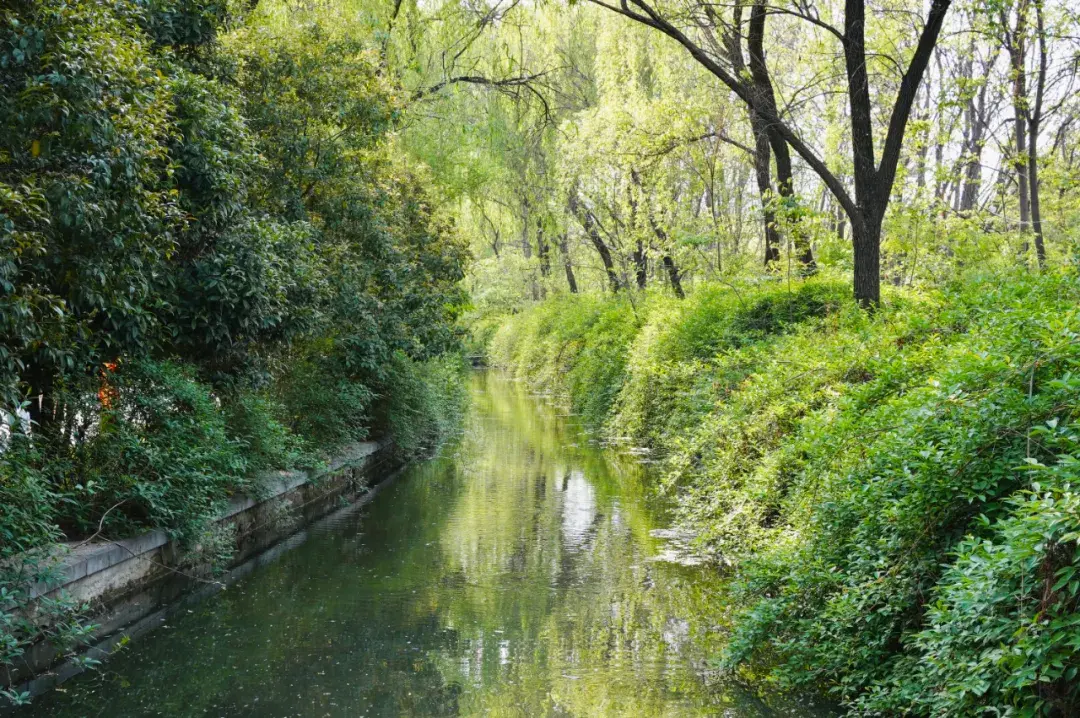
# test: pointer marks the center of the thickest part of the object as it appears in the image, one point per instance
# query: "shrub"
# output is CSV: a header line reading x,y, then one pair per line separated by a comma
x,y
895,492
1003,627
254,421
156,451
575,346
423,403
322,403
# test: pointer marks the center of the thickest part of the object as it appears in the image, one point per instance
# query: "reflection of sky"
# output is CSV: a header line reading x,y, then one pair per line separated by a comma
x,y
579,509
496,581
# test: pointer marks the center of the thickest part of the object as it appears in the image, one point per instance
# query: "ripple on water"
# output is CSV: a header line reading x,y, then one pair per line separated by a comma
x,y
678,547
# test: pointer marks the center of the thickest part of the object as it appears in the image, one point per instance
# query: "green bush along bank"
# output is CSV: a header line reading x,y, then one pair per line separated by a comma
x,y
212,261
894,494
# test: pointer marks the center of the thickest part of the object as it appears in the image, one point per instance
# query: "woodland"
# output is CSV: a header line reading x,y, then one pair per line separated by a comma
x,y
820,257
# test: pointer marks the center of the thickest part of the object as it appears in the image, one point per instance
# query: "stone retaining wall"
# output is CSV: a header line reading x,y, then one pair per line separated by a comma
x,y
130,581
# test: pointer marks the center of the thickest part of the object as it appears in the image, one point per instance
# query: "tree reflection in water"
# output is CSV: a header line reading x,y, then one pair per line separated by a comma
x,y
513,576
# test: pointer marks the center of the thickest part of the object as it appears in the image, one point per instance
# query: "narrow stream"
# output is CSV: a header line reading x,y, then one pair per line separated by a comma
x,y
517,575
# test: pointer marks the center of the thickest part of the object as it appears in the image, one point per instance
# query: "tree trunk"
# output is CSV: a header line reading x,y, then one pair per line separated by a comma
x,y
543,250
539,289
1034,122
673,276
924,149
638,255
588,223
941,185
840,224
1036,210
640,265
976,118
564,249
1020,165
762,149
865,233
763,90
867,244
526,246
1016,46
762,160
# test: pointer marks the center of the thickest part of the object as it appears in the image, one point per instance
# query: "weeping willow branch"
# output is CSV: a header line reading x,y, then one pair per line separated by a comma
x,y
504,84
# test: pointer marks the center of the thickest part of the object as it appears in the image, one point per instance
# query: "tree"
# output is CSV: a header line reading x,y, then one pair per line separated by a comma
x,y
674,277
768,142
873,177
591,226
196,221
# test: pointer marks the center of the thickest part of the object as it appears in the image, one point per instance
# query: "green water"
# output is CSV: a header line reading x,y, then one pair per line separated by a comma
x,y
514,576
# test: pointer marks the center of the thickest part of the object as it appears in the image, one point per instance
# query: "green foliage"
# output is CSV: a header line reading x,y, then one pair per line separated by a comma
x,y
891,476
320,403
159,452
27,519
575,346
32,319
256,423
424,403
1004,623
894,493
315,103
27,501
83,133
212,262
268,266
254,288
183,24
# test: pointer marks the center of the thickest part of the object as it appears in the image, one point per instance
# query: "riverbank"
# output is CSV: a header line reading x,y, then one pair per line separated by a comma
x,y
185,485
518,573
891,492
121,583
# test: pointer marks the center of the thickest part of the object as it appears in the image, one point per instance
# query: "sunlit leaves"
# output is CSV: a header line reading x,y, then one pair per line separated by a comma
x,y
895,494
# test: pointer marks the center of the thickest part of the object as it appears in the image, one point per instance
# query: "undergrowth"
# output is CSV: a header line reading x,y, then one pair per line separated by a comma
x,y
894,493
157,448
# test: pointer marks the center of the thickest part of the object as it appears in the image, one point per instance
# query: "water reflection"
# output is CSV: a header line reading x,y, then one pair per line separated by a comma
x,y
578,509
515,576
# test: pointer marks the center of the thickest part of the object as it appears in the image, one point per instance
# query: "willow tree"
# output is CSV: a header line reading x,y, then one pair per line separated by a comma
x,y
696,26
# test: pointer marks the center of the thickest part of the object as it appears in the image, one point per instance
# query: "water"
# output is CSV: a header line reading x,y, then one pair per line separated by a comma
x,y
517,575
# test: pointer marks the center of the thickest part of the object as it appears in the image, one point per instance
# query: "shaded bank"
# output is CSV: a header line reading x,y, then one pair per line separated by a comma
x,y
125,583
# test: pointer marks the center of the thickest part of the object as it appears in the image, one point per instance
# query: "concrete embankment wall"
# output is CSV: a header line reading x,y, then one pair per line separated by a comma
x,y
129,583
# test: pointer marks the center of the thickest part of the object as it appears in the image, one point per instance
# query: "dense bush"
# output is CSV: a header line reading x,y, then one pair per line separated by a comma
x,y
158,448
212,261
424,402
894,492
574,344
219,227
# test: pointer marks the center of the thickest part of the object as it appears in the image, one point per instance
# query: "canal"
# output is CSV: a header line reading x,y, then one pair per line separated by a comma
x,y
518,574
